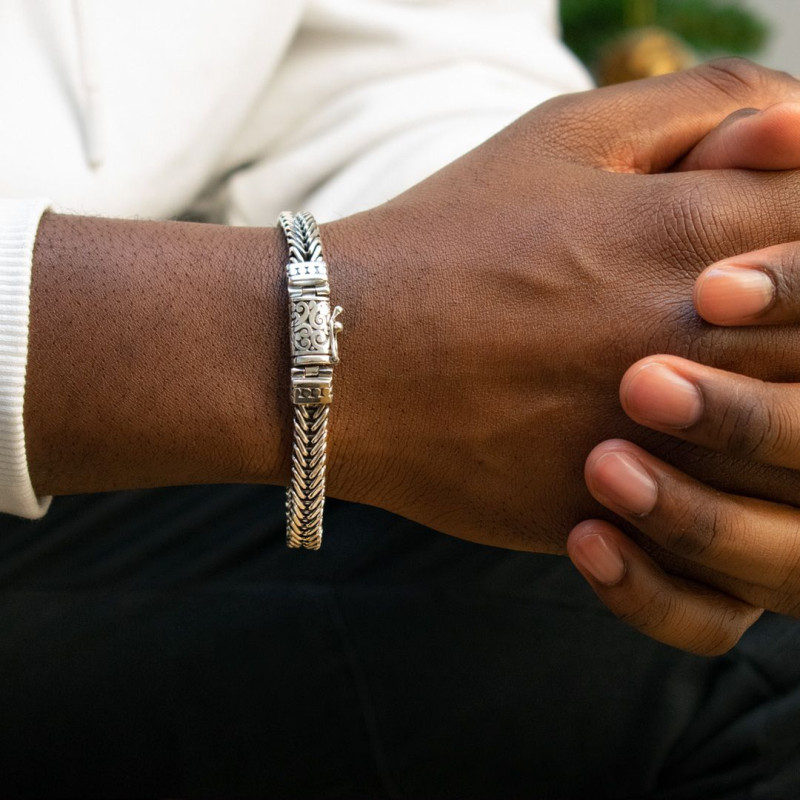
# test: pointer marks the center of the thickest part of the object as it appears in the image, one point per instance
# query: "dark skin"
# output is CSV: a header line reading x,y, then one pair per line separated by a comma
x,y
154,356
750,546
490,313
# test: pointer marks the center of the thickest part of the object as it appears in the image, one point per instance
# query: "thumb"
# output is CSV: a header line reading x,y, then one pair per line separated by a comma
x,y
750,139
649,125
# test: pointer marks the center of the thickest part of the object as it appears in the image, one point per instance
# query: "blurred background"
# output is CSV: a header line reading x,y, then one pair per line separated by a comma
x,y
626,39
782,50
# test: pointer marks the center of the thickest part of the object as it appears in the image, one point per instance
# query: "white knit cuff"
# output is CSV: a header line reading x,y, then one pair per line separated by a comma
x,y
19,221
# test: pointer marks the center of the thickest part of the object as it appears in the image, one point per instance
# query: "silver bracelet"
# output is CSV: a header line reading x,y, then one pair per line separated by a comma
x,y
314,351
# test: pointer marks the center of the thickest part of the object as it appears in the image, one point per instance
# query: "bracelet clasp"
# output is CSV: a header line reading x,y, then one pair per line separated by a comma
x,y
314,328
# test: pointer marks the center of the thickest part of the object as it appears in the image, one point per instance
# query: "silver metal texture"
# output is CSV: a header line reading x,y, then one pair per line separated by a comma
x,y
314,351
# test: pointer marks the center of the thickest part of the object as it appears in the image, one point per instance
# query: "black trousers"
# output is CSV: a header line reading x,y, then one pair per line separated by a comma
x,y
167,644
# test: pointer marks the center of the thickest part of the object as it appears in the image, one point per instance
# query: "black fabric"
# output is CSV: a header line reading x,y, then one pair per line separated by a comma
x,y
167,644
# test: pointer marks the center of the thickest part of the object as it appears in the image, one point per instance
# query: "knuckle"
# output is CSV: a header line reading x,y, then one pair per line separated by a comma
x,y
744,81
651,615
567,125
733,75
695,528
705,632
703,220
690,226
757,425
781,441
712,643
560,104
784,269
723,632
770,216
556,119
741,426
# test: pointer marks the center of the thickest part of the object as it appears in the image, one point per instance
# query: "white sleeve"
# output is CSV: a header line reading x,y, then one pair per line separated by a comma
x,y
19,221
375,95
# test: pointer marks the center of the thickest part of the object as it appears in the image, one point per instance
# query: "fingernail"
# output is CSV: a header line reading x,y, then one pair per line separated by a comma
x,y
659,395
728,294
623,482
600,559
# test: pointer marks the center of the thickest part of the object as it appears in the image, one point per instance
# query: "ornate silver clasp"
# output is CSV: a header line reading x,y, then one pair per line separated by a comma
x,y
314,328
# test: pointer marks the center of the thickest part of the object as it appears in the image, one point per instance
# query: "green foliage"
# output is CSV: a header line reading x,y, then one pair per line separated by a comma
x,y
711,27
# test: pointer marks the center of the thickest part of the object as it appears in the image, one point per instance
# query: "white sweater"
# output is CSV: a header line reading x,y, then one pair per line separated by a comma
x,y
235,111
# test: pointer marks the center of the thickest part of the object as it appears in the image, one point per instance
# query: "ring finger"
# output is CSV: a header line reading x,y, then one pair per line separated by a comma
x,y
743,546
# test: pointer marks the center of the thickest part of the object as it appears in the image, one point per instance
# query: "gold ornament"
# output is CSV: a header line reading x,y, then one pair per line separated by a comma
x,y
643,53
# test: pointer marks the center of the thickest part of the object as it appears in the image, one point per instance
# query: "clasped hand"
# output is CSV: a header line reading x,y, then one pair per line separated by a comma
x,y
716,560
523,281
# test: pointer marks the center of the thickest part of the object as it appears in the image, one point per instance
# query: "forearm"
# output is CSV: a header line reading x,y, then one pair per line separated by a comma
x,y
487,324
158,355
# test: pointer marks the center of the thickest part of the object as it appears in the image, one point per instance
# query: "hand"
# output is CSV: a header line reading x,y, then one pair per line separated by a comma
x,y
495,306
666,607
743,552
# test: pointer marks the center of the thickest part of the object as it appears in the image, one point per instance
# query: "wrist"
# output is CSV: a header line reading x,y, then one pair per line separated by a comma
x,y
375,420
350,251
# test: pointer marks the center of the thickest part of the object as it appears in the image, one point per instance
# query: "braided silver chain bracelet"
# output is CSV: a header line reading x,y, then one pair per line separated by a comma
x,y
314,351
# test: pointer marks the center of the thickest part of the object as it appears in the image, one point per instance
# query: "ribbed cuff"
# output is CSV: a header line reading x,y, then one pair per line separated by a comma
x,y
19,221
